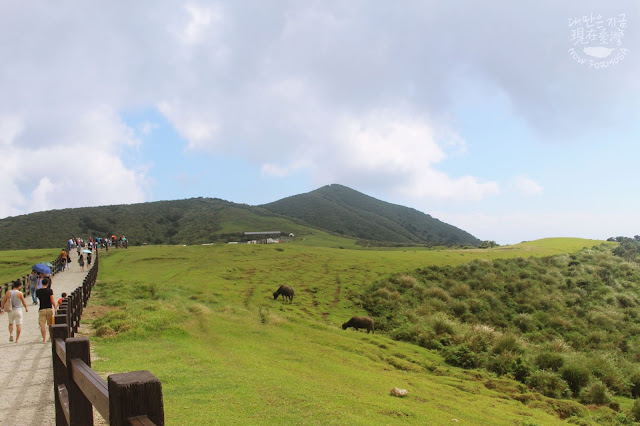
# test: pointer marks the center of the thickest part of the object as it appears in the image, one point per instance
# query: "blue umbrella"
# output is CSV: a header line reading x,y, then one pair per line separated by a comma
x,y
40,268
87,251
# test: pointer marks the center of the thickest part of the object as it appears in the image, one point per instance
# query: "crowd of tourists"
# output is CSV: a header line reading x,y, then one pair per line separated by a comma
x,y
41,293
40,285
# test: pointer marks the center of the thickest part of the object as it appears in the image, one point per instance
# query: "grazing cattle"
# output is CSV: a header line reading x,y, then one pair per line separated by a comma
x,y
360,322
285,291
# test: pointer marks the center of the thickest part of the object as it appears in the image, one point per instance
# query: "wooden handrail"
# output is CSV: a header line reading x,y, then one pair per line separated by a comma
x,y
133,398
93,386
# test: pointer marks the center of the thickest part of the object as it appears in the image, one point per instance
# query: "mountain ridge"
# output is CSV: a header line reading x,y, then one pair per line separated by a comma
x,y
392,222
344,212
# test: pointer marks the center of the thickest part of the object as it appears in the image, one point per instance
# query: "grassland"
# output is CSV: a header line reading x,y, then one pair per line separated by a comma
x,y
17,263
203,320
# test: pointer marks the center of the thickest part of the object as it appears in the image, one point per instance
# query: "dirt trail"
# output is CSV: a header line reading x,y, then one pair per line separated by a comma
x,y
26,376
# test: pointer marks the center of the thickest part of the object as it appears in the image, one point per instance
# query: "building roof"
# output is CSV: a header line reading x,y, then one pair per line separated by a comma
x,y
263,233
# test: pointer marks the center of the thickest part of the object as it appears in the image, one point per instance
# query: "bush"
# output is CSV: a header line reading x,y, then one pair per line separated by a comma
x,y
502,364
595,393
577,376
462,356
549,384
522,370
549,361
442,325
634,384
507,343
635,411
525,323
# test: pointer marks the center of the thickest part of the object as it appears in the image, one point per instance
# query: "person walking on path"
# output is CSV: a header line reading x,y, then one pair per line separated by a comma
x,y
15,315
33,286
47,307
81,262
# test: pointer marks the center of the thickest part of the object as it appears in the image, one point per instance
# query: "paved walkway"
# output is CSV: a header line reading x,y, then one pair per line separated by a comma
x,y
26,372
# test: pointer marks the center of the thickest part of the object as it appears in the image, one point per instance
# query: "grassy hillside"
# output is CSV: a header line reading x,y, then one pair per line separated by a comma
x,y
565,325
202,318
334,209
347,212
192,221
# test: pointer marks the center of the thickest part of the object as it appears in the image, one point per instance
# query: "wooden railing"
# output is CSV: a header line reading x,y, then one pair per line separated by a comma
x,y
26,289
133,398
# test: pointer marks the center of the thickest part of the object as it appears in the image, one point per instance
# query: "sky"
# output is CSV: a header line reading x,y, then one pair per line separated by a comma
x,y
511,120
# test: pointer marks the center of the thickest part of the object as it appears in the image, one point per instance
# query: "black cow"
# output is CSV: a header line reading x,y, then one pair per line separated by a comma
x,y
285,291
360,322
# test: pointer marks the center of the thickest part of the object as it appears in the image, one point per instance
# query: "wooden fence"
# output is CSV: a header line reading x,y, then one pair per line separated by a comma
x,y
26,290
133,398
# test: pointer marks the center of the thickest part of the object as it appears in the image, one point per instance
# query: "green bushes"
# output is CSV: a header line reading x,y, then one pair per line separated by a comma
x,y
563,325
577,376
549,384
461,356
549,361
595,393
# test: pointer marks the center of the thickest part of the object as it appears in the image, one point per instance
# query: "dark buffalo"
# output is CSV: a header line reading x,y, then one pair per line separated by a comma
x,y
360,322
285,291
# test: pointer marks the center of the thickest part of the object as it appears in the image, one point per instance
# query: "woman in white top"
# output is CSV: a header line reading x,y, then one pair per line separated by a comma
x,y
15,315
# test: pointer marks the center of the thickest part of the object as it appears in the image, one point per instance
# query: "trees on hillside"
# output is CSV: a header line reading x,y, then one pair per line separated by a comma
x,y
629,248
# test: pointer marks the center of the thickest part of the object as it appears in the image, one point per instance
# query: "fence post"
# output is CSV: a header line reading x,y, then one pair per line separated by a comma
x,y
80,409
58,331
132,394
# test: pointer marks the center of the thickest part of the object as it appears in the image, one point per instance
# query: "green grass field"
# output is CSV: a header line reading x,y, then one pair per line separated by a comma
x,y
203,319
15,264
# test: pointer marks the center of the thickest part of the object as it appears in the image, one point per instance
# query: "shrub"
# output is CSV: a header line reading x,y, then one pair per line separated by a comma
x,y
406,332
549,361
462,356
525,323
442,325
522,370
595,393
635,411
502,364
437,293
507,343
459,308
577,376
549,384
634,384
460,291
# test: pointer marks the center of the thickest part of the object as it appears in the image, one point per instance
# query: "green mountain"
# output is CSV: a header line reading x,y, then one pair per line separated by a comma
x,y
335,209
190,221
342,210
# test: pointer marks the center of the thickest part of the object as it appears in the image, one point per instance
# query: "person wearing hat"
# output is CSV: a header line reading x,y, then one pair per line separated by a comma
x,y
15,315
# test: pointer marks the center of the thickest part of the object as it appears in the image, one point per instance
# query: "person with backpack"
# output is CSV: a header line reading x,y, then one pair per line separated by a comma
x,y
33,286
14,300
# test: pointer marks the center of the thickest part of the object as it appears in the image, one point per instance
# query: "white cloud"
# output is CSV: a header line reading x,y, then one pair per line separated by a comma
x,y
10,127
361,93
199,128
396,151
79,167
270,169
200,19
526,186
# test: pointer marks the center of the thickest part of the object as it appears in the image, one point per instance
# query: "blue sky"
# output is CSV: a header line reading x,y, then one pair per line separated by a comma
x,y
479,114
